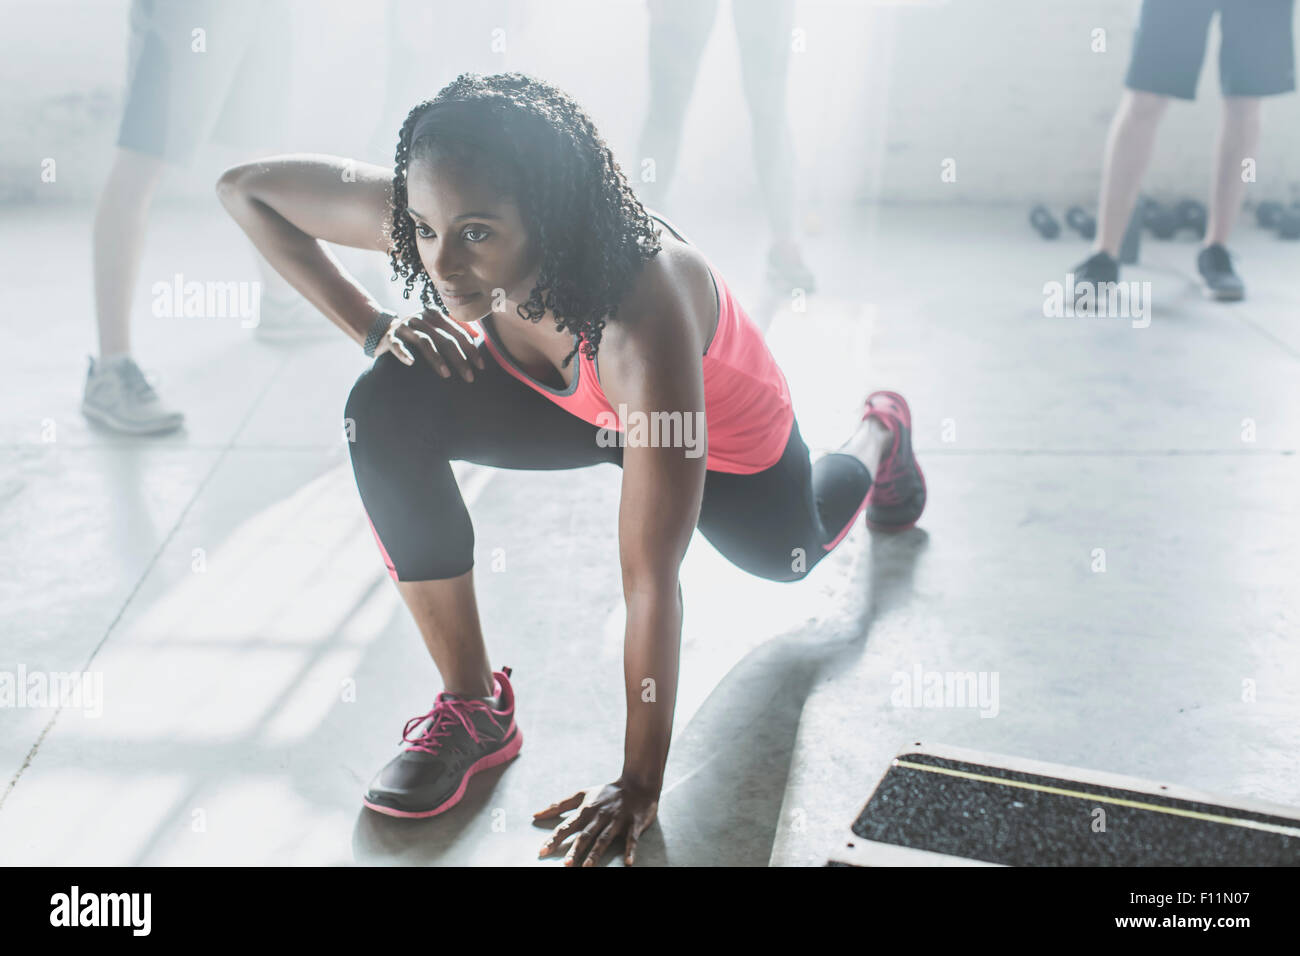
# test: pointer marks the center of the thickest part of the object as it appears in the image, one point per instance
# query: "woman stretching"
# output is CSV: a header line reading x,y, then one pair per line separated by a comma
x,y
507,209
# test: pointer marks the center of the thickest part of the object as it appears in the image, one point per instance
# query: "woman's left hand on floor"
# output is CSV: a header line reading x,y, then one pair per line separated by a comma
x,y
604,814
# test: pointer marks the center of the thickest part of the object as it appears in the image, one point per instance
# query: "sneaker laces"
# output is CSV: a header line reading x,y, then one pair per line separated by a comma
x,y
885,482
135,380
447,713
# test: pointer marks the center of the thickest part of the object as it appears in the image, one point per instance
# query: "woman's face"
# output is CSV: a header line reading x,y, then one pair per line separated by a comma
x,y
471,240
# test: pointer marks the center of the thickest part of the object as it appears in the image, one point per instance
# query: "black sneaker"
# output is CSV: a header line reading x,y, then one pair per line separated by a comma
x,y
1093,272
1101,267
1218,279
460,737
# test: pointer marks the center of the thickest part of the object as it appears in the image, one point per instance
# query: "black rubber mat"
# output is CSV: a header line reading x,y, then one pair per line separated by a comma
x,y
996,821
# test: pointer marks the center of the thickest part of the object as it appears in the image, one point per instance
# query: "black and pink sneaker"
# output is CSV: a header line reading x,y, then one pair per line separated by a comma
x,y
897,495
459,737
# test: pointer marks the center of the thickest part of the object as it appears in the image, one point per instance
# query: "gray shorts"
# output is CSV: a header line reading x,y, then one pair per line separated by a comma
x,y
1256,58
229,83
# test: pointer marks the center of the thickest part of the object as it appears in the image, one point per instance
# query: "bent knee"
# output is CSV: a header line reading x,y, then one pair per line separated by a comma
x,y
369,400
385,405
787,568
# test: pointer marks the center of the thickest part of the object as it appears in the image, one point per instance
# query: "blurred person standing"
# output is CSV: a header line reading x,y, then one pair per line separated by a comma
x,y
679,30
198,71
1256,59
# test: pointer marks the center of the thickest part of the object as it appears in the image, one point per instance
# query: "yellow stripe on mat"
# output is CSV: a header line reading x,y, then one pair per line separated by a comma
x,y
1137,804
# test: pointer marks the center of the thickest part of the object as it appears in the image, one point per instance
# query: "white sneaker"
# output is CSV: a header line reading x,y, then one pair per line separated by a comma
x,y
118,395
292,319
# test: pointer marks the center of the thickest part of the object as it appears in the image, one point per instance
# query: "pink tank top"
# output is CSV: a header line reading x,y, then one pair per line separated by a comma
x,y
747,401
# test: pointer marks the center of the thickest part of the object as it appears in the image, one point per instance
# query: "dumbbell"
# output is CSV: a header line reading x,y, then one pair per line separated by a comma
x,y
1082,223
1288,226
1189,214
1162,221
1286,220
1044,222
1269,214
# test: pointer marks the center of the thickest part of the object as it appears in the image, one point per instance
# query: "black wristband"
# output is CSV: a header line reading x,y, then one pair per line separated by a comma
x,y
378,329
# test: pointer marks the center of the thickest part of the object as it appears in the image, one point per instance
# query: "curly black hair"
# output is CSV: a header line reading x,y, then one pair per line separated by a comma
x,y
535,144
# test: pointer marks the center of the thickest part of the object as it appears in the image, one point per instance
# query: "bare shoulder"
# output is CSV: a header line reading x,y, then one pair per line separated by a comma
x,y
671,302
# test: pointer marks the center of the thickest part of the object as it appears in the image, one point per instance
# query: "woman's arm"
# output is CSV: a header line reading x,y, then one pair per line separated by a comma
x,y
287,204
650,363
655,367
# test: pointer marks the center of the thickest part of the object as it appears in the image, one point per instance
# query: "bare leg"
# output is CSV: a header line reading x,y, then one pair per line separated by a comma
x,y
763,30
868,444
118,237
1238,138
679,30
447,615
1128,152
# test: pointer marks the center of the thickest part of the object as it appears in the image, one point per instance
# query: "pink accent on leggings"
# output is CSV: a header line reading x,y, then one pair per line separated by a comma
x,y
849,525
392,571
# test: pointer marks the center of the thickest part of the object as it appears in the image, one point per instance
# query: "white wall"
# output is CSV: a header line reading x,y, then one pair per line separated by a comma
x,y
884,92
1012,90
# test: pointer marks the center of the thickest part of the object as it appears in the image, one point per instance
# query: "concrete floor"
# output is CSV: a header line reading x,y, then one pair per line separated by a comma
x,y
247,704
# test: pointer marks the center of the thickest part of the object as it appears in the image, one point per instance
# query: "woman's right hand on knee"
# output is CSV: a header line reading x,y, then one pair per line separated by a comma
x,y
442,343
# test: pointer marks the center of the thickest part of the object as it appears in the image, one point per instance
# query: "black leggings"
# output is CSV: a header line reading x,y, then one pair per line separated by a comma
x,y
408,423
